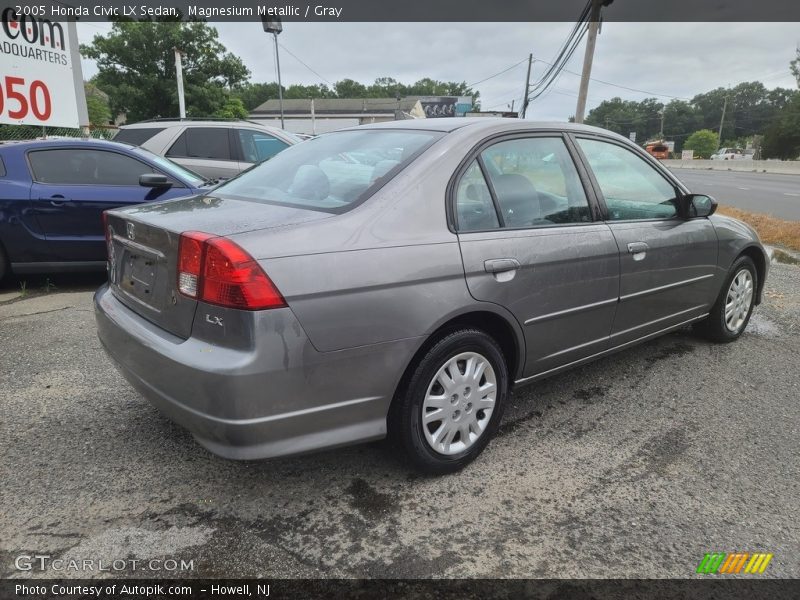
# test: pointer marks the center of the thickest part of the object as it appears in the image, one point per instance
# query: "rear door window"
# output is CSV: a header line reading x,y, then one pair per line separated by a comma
x,y
257,146
474,207
536,183
137,136
202,142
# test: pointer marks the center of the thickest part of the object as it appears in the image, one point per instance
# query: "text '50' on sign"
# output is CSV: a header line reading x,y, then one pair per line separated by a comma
x,y
40,73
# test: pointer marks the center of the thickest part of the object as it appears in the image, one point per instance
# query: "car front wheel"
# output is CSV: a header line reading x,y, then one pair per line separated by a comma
x,y
731,312
446,414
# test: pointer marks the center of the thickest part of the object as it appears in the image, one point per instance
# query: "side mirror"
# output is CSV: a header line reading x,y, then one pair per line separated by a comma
x,y
154,180
692,206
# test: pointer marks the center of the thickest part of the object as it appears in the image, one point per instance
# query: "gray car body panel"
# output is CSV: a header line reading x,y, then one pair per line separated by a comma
x,y
213,168
367,288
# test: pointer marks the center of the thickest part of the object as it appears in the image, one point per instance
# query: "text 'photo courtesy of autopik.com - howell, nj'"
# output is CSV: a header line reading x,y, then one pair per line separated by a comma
x,y
399,300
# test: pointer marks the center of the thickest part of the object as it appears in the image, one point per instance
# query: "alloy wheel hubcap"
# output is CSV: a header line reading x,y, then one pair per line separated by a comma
x,y
459,403
738,300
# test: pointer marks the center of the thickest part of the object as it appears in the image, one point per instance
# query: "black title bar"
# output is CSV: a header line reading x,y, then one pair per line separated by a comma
x,y
411,10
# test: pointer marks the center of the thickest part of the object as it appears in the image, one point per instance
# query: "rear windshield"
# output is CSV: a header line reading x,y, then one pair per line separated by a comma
x,y
137,136
333,172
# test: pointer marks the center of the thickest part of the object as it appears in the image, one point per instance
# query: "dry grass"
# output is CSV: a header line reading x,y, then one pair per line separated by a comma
x,y
772,231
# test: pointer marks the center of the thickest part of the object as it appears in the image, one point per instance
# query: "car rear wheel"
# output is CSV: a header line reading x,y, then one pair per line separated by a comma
x,y
731,312
4,269
446,414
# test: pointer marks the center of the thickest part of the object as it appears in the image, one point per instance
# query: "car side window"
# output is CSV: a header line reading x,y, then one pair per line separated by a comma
x,y
474,207
137,135
632,188
202,142
257,146
76,166
536,183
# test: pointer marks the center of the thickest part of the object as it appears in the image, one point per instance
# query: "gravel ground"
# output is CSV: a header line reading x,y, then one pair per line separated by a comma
x,y
633,466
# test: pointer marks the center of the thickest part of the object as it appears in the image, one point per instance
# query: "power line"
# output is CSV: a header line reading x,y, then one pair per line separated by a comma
x,y
624,87
564,55
293,55
499,72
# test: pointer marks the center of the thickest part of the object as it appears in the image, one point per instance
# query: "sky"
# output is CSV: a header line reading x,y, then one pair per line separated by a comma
x,y
661,60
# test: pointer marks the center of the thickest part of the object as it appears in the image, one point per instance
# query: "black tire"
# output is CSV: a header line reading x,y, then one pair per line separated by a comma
x,y
405,426
4,269
714,327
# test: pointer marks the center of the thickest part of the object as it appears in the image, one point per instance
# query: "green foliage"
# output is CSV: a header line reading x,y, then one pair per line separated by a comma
x,y
232,109
136,67
750,110
255,94
703,142
97,105
795,67
782,138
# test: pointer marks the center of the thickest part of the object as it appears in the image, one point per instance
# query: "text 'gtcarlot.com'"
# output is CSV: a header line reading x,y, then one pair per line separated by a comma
x,y
44,562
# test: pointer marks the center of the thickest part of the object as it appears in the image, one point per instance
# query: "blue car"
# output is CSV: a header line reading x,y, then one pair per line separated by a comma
x,y
53,194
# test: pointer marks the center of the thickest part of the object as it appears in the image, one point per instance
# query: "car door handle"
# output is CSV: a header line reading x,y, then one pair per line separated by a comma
x,y
501,265
57,200
638,249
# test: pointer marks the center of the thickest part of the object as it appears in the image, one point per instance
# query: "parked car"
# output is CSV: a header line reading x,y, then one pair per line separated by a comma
x,y
53,194
312,302
217,149
728,154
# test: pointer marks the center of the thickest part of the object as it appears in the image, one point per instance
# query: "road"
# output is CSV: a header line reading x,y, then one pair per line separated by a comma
x,y
775,194
634,466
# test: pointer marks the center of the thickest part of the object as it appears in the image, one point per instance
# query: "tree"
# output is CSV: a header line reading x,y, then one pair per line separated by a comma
x,y
782,138
254,95
626,116
97,105
232,109
795,67
703,142
347,88
136,67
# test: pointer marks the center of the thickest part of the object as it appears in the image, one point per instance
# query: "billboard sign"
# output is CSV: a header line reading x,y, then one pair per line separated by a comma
x,y
445,106
41,82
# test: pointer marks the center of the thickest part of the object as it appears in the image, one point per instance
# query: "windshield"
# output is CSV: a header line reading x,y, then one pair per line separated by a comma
x,y
170,168
333,172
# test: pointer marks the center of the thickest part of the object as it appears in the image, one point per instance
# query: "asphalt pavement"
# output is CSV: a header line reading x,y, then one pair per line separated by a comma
x,y
771,193
633,466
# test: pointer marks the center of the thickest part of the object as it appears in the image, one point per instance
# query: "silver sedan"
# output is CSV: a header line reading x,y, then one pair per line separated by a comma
x,y
400,279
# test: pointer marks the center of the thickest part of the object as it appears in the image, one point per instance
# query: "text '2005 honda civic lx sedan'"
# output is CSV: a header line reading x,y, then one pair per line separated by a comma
x,y
398,279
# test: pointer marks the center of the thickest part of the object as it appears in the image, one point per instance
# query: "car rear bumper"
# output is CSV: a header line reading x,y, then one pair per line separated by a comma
x,y
278,396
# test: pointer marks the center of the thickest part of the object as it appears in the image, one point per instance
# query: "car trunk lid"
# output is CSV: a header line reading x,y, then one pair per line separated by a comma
x,y
144,243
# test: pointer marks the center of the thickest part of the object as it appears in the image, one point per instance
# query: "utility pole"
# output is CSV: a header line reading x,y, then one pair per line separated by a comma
x,y
527,88
274,27
663,112
179,77
594,25
722,121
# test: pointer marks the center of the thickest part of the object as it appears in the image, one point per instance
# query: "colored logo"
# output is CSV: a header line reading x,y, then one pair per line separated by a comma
x,y
734,562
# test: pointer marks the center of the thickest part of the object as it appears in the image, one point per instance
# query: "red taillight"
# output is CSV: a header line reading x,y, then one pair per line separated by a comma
x,y
191,247
216,270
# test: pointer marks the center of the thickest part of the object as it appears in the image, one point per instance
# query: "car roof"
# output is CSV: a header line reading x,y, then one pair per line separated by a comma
x,y
66,142
151,123
477,124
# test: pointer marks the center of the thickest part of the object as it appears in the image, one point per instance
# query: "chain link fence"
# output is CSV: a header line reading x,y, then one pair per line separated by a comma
x,y
15,133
